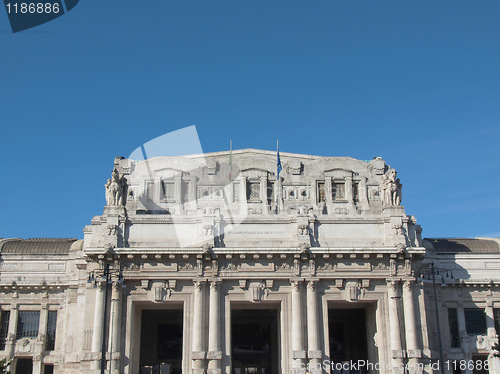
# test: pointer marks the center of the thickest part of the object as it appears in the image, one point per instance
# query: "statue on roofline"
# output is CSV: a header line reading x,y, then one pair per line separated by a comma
x,y
390,189
115,189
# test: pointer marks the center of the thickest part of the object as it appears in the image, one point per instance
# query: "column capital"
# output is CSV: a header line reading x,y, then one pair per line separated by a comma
x,y
198,284
295,284
392,284
312,284
408,284
214,285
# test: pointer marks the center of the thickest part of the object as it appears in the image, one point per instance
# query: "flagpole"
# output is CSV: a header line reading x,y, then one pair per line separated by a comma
x,y
278,180
230,158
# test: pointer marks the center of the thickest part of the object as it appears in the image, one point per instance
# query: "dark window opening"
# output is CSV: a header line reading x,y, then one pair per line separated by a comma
x,y
48,369
475,321
161,341
51,330
348,336
480,364
24,366
496,316
453,324
4,328
254,338
27,324
355,190
321,192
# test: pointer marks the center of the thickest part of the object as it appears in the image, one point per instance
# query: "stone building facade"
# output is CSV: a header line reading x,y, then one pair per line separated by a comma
x,y
216,264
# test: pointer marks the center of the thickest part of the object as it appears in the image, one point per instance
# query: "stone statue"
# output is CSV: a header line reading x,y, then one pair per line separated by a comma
x,y
390,189
115,189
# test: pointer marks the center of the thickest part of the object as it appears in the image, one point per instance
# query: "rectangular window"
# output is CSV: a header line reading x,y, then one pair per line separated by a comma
x,y
338,191
453,325
496,316
475,321
150,190
184,192
168,191
51,330
355,190
236,192
27,325
321,192
48,369
4,328
270,192
253,190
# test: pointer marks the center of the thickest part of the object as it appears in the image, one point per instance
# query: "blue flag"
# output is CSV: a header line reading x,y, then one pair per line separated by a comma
x,y
279,165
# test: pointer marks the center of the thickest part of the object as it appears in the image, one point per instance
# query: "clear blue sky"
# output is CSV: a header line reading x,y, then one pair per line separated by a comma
x,y
416,82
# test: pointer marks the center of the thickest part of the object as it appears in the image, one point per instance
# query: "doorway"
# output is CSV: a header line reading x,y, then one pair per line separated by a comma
x,y
347,337
161,341
254,337
24,366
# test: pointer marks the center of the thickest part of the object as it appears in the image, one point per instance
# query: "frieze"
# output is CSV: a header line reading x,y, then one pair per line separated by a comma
x,y
284,266
187,267
256,266
353,266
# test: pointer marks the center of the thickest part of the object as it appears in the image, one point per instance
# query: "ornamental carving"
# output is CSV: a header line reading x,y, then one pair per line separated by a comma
x,y
398,229
326,266
303,230
284,266
254,211
186,266
341,211
111,230
207,229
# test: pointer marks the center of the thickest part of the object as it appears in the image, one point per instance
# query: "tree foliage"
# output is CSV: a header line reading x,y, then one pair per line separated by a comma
x,y
4,366
496,347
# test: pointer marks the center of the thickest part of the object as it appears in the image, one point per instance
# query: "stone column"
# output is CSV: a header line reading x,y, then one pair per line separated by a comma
x,y
395,333
40,342
363,191
328,190
214,353
313,345
492,335
178,190
98,318
11,335
192,193
348,189
412,347
115,336
462,330
198,355
244,195
298,352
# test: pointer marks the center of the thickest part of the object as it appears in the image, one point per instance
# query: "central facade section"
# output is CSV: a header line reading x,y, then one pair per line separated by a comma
x,y
226,266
